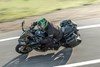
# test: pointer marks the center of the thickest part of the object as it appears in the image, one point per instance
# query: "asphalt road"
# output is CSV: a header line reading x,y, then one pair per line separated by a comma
x,y
88,50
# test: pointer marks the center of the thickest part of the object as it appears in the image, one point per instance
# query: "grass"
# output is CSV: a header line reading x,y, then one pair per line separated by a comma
x,y
15,9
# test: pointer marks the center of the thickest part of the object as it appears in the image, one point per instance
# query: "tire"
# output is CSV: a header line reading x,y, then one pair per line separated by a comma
x,y
76,43
19,47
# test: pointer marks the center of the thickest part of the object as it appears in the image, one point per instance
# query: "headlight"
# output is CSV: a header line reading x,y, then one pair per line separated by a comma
x,y
22,42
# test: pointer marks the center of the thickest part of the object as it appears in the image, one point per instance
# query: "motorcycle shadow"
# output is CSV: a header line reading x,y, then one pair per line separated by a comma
x,y
49,60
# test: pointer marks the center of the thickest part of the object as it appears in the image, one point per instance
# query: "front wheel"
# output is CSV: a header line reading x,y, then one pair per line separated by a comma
x,y
23,49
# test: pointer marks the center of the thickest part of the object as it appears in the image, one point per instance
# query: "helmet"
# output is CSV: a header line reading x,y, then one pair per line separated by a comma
x,y
42,23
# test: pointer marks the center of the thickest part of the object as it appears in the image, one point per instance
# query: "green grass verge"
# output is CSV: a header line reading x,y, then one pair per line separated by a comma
x,y
15,9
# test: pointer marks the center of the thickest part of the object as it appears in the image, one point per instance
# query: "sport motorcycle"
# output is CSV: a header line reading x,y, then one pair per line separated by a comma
x,y
30,38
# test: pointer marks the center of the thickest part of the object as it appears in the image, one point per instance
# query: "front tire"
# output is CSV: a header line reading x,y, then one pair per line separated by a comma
x,y
22,49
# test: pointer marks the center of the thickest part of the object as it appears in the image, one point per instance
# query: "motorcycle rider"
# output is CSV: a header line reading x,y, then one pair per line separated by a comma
x,y
52,34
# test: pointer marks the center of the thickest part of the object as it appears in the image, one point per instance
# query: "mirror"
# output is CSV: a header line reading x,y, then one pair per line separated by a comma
x,y
23,26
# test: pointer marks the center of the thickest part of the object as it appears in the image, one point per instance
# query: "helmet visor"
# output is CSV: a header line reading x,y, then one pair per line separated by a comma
x,y
42,25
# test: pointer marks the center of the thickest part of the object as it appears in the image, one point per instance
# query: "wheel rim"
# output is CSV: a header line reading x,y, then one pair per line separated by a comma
x,y
24,49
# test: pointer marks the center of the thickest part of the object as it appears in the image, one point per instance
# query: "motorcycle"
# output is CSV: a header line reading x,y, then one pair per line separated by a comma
x,y
30,38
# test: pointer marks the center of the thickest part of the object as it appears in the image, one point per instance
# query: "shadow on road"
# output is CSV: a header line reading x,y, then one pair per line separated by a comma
x,y
48,60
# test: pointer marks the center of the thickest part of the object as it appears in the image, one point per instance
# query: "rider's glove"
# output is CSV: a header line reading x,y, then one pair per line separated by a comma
x,y
34,23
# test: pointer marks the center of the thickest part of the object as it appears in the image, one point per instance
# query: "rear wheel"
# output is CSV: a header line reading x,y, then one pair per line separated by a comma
x,y
23,49
74,43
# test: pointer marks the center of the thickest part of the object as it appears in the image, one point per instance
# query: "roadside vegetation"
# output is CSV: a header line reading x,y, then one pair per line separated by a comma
x,y
15,9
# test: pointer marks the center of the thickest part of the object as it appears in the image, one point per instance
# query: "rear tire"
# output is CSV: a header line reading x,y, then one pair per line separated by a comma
x,y
73,44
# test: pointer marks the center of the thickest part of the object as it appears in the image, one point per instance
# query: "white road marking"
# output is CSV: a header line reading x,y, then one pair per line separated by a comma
x,y
81,63
82,27
12,38
89,26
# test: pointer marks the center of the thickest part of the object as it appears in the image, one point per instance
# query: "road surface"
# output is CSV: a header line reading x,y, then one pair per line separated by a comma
x,y
88,50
